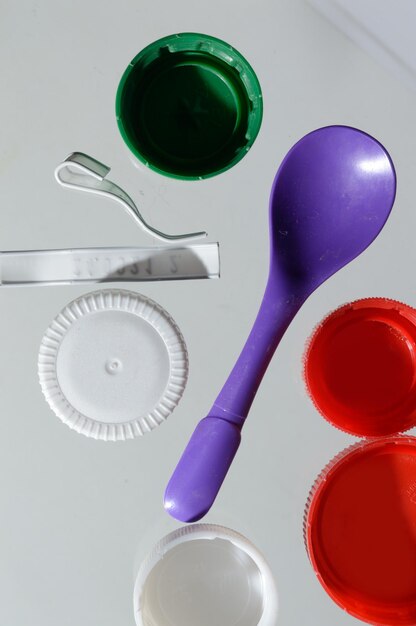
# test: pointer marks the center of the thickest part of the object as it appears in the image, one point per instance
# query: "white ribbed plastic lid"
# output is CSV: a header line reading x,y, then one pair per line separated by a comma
x,y
204,574
113,365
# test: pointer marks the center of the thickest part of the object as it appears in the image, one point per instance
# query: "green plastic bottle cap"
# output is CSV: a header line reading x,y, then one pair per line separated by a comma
x,y
189,106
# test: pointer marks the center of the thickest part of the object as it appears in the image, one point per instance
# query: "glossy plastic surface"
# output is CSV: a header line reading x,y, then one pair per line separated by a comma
x,y
205,575
360,531
202,468
331,197
360,367
189,106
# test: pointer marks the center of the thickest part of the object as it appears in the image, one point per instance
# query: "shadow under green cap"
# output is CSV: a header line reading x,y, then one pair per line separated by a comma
x,y
189,106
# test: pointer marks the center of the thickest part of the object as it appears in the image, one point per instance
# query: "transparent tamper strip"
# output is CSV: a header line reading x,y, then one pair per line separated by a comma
x,y
84,173
108,265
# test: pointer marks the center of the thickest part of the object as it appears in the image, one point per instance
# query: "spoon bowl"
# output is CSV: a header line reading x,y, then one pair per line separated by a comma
x,y
330,198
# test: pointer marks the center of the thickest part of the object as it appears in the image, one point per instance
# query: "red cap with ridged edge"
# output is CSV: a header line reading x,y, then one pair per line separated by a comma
x,y
360,530
360,367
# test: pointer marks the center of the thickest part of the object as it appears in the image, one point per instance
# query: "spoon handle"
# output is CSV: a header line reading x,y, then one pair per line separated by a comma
x,y
281,302
206,460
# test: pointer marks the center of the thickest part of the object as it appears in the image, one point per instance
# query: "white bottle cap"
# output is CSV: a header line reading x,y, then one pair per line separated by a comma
x,y
203,575
113,365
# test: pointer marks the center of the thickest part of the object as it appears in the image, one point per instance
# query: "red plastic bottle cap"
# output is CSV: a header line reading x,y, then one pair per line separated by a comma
x,y
360,367
360,530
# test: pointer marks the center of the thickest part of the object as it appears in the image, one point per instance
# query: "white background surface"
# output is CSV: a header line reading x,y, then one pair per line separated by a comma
x,y
76,514
385,29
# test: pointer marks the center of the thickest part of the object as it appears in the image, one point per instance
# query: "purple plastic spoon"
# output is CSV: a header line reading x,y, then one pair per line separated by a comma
x,y
331,197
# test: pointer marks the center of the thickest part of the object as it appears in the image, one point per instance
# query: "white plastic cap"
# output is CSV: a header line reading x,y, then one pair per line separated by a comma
x,y
202,575
113,365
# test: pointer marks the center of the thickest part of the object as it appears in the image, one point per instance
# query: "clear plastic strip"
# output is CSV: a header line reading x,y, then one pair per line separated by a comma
x,y
108,265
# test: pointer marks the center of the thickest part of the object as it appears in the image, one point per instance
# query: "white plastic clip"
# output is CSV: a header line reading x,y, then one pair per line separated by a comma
x,y
82,172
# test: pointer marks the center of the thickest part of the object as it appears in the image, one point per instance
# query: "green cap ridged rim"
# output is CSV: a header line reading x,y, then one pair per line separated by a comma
x,y
189,106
